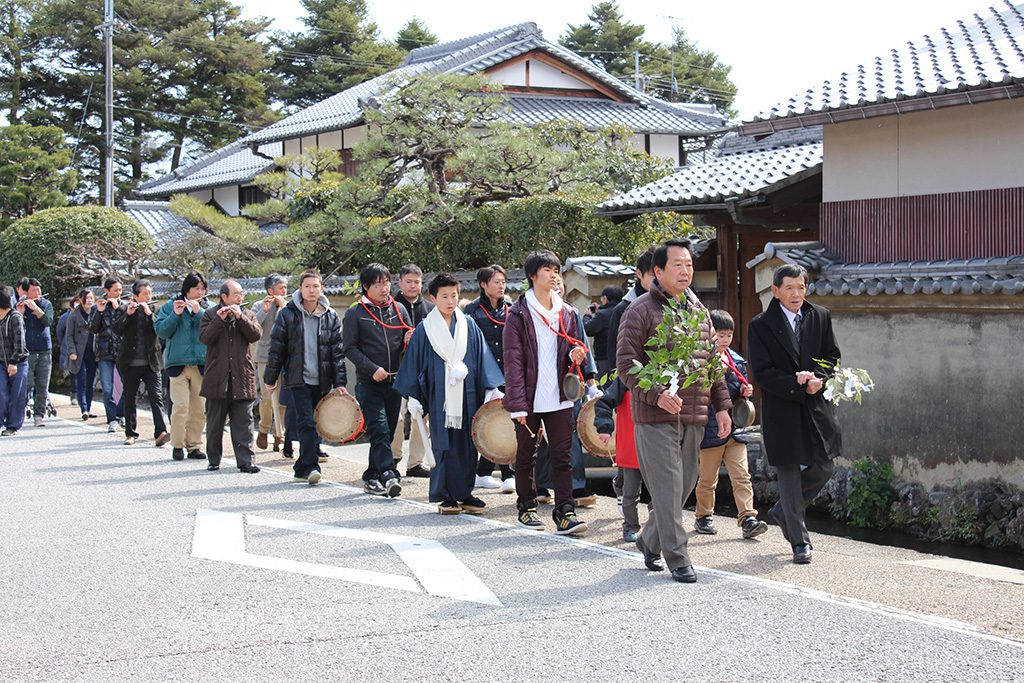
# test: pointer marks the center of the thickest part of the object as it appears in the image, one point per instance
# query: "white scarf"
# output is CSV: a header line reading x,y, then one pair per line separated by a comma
x,y
553,315
452,350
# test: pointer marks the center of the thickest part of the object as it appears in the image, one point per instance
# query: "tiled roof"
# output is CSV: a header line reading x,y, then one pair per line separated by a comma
x,y
475,54
531,110
831,277
742,169
980,58
162,224
232,164
998,275
810,255
598,266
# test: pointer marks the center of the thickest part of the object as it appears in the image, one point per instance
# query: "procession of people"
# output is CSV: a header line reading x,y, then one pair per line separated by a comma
x,y
425,369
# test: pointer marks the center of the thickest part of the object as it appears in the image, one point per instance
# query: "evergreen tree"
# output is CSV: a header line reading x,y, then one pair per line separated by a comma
x,y
415,34
187,74
679,72
34,172
18,46
338,49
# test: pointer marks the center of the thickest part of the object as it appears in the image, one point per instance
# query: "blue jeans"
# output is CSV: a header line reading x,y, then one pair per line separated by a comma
x,y
113,410
302,403
12,397
85,381
380,404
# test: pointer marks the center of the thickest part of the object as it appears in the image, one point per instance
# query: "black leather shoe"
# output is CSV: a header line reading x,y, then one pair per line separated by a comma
x,y
802,553
249,469
196,455
212,468
178,454
418,471
684,574
651,560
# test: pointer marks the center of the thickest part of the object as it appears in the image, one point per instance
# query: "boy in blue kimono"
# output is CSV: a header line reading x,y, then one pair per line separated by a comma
x,y
447,374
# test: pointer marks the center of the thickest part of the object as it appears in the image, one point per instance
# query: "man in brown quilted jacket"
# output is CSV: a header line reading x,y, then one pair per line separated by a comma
x,y
669,426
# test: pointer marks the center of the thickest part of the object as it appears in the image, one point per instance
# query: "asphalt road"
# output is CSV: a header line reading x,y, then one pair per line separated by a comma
x,y
120,562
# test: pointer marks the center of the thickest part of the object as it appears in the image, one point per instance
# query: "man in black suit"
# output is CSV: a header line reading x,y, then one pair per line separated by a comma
x,y
799,427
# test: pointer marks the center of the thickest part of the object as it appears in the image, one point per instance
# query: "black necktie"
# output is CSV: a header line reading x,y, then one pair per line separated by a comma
x,y
796,328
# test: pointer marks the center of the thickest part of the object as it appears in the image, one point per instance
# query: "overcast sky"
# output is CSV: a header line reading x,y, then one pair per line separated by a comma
x,y
775,50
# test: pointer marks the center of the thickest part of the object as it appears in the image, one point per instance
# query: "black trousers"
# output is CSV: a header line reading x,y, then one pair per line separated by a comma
x,y
559,426
797,488
131,377
218,410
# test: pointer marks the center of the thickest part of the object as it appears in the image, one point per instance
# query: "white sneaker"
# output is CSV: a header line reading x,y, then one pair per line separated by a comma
x,y
620,507
487,482
38,421
112,427
508,485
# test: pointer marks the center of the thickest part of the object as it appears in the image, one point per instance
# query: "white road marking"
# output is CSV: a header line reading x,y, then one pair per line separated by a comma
x,y
943,623
810,593
220,536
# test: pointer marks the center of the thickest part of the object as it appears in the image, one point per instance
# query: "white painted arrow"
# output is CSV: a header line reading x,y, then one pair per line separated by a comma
x,y
220,536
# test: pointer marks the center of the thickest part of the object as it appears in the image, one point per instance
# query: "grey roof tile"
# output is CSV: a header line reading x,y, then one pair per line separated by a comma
x,y
740,169
832,277
233,164
598,266
983,52
162,224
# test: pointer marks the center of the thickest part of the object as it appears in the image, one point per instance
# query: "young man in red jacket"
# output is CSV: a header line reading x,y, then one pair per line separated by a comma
x,y
541,344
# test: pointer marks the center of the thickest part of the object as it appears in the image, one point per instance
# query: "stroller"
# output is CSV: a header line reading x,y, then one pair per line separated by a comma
x,y
51,410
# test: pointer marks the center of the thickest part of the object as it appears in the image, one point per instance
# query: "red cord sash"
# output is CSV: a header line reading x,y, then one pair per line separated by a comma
x,y
496,322
561,333
401,326
732,366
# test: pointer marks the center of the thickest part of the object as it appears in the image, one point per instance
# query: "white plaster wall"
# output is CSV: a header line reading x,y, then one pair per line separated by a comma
x,y
308,143
353,136
202,195
958,149
513,74
227,198
331,140
291,147
665,147
544,75
638,142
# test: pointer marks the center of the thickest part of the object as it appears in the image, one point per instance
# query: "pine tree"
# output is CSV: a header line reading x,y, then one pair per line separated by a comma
x,y
415,34
338,49
187,74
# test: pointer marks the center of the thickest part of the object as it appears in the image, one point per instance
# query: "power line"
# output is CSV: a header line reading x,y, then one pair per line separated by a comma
x,y
179,115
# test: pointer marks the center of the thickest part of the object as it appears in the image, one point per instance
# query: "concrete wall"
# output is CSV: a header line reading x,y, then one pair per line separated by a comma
x,y
944,411
971,147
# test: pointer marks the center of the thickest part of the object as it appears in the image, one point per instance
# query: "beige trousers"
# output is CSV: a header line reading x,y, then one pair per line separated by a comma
x,y
271,410
735,456
188,414
415,440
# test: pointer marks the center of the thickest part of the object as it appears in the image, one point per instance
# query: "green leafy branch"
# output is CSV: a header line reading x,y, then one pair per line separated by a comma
x,y
678,356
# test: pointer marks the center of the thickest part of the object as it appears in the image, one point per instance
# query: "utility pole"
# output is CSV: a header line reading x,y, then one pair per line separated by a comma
x,y
108,107
636,69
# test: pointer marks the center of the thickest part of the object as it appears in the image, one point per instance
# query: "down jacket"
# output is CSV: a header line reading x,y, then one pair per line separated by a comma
x,y
638,325
286,356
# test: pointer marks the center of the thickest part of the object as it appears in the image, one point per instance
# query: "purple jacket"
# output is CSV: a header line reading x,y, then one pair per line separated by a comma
x,y
519,340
